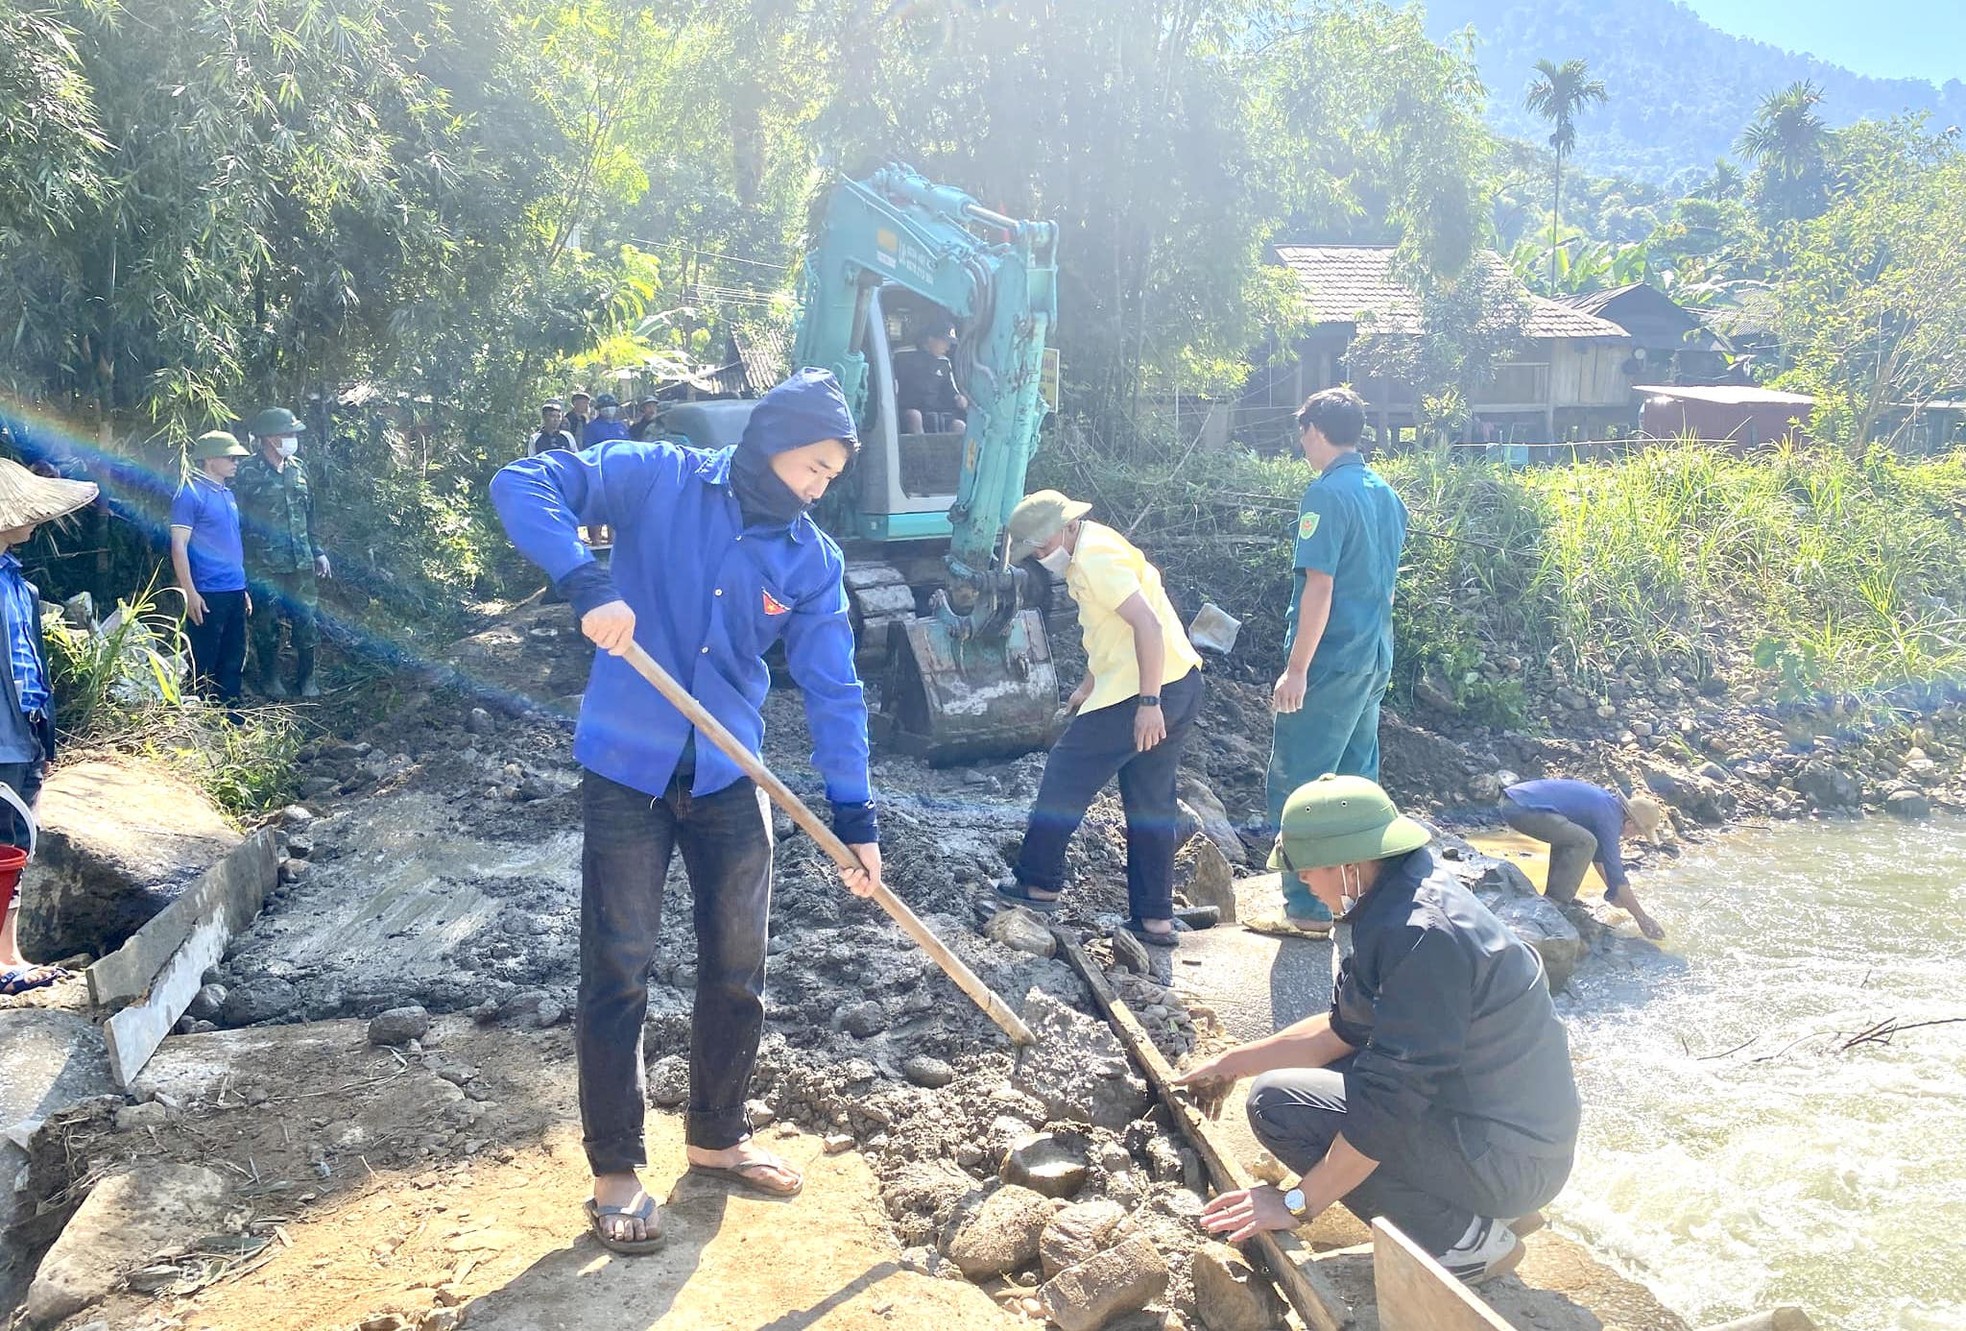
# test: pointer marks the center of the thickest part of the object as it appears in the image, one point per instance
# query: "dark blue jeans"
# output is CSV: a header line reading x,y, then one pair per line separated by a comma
x,y
1095,748
1444,1175
725,838
218,646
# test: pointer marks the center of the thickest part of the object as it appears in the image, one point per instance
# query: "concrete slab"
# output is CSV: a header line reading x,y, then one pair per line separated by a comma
x,y
48,1061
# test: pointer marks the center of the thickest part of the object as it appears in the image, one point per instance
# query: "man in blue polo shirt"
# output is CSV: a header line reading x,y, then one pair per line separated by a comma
x,y
1351,528
210,564
715,560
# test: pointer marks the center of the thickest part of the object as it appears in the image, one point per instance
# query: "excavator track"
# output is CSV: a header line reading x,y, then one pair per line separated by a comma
x,y
880,598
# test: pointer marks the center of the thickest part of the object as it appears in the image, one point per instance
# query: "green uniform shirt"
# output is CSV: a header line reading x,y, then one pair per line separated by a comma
x,y
1352,526
276,515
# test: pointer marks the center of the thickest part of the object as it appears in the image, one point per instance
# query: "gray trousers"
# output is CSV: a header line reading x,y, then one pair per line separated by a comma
x,y
1573,848
1444,1174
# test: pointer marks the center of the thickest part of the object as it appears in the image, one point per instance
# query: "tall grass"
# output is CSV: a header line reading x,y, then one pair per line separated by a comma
x,y
1812,572
121,688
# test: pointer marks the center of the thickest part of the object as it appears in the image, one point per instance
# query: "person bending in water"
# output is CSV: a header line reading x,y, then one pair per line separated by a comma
x,y
1583,824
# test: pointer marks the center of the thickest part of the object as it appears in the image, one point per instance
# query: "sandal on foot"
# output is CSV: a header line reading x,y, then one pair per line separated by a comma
x,y
645,1212
1013,893
1280,924
1151,937
742,1173
20,979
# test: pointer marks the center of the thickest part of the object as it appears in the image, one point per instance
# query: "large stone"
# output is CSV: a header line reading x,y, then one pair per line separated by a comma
x,y
399,1025
1121,1280
1908,804
1541,923
1212,817
1020,930
1688,792
126,1220
1077,1232
1827,787
999,1233
1051,1163
1209,880
120,839
1230,1294
264,998
49,1060
1077,1067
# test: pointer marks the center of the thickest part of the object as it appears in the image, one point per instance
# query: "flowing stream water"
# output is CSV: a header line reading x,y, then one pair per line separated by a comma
x,y
1734,1155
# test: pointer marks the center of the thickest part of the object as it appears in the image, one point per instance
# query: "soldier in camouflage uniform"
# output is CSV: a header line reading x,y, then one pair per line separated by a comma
x,y
283,557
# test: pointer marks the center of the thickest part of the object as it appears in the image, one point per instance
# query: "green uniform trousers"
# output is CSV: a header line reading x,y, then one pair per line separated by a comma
x,y
293,597
1336,730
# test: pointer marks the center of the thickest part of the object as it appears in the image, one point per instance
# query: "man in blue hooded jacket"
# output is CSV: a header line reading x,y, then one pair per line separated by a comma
x,y
716,559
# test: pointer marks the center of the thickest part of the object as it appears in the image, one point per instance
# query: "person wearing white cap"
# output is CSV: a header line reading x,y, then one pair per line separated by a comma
x,y
27,716
209,562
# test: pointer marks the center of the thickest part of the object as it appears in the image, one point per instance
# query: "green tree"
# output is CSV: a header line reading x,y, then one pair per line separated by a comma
x,y
1557,94
1785,143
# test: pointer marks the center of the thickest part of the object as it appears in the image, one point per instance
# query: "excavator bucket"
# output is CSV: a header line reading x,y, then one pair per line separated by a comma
x,y
948,700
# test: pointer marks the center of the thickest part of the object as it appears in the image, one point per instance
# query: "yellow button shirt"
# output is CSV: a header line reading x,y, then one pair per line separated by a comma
x,y
1105,570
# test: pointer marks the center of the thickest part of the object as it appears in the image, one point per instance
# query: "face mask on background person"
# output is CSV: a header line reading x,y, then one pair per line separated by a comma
x,y
289,447
1056,562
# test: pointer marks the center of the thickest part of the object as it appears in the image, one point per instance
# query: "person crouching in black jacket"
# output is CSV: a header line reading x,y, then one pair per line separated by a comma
x,y
1437,1091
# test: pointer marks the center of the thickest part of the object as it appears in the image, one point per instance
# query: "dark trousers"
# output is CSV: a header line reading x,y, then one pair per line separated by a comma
x,y
1444,1174
218,646
1573,847
24,779
725,838
1096,747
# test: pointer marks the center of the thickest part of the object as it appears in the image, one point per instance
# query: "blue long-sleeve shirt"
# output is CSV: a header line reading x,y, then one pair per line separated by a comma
x,y
1593,808
710,596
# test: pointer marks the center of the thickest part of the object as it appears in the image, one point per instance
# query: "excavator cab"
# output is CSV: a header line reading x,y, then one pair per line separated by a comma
x,y
945,695
953,636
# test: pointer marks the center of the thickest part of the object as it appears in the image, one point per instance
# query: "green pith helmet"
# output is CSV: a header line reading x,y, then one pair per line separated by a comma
x,y
218,444
1342,820
274,421
1038,517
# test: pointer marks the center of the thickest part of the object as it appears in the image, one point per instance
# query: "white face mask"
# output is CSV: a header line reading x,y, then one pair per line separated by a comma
x,y
1056,562
1348,901
289,447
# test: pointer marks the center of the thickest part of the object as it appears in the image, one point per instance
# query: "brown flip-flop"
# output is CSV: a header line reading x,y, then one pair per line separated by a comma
x,y
1277,924
741,1173
646,1212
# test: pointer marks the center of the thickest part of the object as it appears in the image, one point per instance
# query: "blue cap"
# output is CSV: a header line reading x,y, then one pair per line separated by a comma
x,y
804,409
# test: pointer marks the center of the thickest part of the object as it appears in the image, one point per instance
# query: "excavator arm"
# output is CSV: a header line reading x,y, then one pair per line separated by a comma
x,y
973,677
897,228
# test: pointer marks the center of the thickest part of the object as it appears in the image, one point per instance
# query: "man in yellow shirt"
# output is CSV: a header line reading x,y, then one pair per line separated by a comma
x,y
1122,728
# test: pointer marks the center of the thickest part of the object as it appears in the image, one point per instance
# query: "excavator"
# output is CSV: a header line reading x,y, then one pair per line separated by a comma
x,y
953,632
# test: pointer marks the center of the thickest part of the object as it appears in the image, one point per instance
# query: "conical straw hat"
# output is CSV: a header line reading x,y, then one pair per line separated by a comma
x,y
26,498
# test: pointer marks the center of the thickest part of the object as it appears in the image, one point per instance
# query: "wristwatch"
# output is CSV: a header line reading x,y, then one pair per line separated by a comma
x,y
1293,1202
1148,700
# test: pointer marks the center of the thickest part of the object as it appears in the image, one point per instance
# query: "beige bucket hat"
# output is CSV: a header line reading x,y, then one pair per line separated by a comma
x,y
27,499
1038,517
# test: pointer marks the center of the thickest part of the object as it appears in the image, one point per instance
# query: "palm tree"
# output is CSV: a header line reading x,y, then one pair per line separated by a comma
x,y
1785,140
1557,94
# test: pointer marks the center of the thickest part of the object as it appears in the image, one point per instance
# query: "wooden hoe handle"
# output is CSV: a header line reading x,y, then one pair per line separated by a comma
x,y
781,795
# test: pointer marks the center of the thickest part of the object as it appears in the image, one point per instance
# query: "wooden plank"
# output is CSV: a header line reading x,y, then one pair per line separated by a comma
x,y
237,884
1288,1260
1415,1293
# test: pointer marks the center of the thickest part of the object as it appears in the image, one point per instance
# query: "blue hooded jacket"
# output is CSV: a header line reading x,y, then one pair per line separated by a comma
x,y
710,596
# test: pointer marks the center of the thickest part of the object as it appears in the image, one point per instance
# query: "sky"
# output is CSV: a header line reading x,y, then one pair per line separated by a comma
x,y
1889,38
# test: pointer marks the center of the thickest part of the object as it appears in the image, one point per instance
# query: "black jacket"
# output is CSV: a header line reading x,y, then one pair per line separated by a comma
x,y
1450,1013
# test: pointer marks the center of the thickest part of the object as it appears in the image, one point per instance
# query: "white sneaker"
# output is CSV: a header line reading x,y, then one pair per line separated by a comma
x,y
1489,1249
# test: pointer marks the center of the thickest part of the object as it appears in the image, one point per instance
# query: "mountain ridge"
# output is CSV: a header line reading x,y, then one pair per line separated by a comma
x,y
1681,90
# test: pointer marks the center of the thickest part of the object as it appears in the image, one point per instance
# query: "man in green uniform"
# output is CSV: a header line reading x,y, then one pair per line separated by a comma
x,y
1351,528
283,556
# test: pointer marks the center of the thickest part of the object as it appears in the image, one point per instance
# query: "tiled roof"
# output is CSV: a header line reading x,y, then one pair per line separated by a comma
x,y
1343,282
